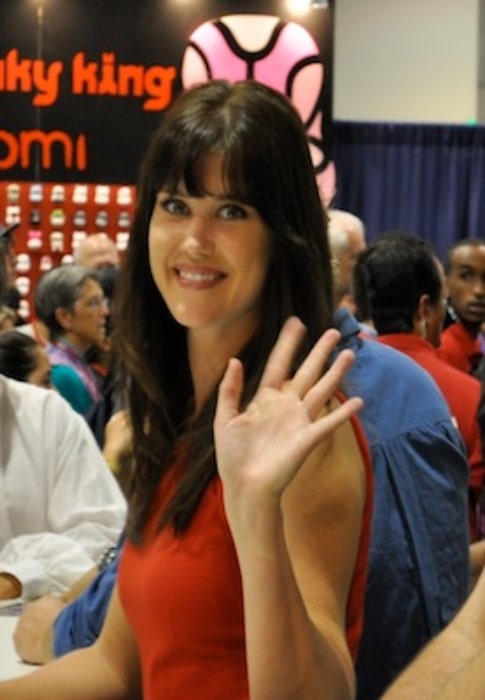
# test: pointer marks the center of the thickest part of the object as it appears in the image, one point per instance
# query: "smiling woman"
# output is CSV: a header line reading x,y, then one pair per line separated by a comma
x,y
250,491
70,301
209,258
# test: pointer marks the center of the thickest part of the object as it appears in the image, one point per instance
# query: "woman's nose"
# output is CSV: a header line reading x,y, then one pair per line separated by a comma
x,y
199,235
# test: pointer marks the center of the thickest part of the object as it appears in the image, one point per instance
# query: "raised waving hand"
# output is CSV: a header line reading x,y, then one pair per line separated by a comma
x,y
260,449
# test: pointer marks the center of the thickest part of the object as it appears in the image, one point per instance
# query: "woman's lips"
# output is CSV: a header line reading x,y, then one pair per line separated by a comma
x,y
198,277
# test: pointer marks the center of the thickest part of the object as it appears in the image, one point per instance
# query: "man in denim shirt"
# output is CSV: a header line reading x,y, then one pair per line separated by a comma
x,y
419,558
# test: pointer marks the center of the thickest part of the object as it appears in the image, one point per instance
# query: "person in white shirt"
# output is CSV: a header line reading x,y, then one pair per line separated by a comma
x,y
60,505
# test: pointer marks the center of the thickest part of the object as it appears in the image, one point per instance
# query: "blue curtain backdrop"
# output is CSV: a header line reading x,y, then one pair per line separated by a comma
x,y
421,178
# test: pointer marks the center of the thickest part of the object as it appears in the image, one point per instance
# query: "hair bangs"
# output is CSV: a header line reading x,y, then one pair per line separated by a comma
x,y
188,151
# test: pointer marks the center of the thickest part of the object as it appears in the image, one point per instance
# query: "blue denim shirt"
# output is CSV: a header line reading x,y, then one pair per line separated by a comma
x,y
419,570
79,623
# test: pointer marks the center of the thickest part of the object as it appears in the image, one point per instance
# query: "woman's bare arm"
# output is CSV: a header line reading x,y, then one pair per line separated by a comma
x,y
108,670
295,520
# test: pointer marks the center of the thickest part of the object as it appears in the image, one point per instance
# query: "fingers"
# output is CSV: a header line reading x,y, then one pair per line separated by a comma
x,y
319,393
281,357
314,364
279,365
307,383
229,394
325,425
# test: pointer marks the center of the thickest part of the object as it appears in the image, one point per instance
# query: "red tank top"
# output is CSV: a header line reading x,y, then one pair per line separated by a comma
x,y
191,636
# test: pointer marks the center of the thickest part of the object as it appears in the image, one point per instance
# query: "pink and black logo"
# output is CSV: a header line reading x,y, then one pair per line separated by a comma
x,y
275,52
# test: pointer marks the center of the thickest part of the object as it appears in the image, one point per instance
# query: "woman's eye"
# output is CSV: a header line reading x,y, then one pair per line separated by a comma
x,y
232,211
174,206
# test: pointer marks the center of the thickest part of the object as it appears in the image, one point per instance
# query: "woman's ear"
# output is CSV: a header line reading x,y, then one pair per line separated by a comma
x,y
63,317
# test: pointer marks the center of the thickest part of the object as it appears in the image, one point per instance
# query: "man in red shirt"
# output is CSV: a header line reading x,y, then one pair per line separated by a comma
x,y
400,281
465,270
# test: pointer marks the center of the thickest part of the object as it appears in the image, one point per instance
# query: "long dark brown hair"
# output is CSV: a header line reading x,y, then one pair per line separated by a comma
x,y
266,163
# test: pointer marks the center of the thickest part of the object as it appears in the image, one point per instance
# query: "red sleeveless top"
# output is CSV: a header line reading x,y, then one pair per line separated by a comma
x,y
191,634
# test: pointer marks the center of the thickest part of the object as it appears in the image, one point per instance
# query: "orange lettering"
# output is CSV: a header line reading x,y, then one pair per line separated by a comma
x,y
158,84
46,80
130,75
84,78
20,149
17,72
46,143
108,85
27,75
11,144
81,153
109,78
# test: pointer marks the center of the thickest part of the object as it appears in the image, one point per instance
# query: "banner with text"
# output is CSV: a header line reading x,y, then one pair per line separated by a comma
x,y
83,84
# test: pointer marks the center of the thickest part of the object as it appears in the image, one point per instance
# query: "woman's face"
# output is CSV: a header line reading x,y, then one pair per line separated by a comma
x,y
41,374
209,257
85,323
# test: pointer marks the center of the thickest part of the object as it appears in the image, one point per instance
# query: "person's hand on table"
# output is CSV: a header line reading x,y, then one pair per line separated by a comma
x,y
33,633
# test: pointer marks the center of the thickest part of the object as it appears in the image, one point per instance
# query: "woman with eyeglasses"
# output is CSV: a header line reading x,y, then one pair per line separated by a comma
x,y
71,303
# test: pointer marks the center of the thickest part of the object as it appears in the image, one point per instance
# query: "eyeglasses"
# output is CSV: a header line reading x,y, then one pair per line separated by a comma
x,y
97,302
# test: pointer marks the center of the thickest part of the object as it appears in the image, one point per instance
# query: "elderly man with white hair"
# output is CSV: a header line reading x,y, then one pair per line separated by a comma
x,y
97,251
346,235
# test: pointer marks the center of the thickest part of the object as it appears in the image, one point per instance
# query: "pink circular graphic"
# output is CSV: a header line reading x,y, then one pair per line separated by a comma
x,y
277,53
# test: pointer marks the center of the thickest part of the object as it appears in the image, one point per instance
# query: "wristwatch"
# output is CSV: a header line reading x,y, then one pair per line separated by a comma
x,y
107,558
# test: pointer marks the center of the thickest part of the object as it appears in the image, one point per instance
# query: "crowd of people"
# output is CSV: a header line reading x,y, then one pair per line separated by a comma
x,y
265,473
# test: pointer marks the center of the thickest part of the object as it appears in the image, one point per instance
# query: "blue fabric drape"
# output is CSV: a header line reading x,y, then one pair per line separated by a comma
x,y
422,178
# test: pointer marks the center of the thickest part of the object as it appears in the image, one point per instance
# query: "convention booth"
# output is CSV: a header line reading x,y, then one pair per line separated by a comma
x,y
83,86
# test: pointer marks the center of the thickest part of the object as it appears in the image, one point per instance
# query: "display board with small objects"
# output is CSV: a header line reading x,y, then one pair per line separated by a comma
x,y
54,218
